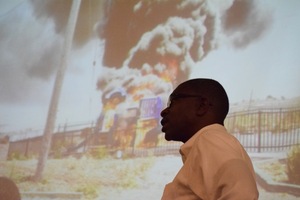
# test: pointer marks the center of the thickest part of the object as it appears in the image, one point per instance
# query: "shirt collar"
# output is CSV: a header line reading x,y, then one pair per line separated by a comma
x,y
187,146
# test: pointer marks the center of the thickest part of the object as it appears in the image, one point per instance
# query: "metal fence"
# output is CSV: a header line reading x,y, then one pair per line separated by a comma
x,y
266,130
263,130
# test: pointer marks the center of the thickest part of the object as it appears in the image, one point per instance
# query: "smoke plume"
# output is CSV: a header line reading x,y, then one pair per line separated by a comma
x,y
243,23
29,54
150,46
166,38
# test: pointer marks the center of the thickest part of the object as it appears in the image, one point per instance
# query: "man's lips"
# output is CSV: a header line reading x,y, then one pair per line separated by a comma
x,y
163,123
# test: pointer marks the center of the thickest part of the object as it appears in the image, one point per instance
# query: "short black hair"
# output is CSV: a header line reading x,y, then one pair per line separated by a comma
x,y
212,90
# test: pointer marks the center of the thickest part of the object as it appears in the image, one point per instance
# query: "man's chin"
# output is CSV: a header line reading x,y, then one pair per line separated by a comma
x,y
168,137
171,138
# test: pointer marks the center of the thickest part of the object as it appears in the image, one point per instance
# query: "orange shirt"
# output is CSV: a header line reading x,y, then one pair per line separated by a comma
x,y
215,166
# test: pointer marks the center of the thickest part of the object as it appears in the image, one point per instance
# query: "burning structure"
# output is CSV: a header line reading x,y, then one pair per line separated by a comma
x,y
150,46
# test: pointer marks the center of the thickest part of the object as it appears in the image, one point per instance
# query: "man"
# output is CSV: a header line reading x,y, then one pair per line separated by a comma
x,y
215,165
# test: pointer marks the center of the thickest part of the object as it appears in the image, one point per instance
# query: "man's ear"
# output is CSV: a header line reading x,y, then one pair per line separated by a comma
x,y
203,106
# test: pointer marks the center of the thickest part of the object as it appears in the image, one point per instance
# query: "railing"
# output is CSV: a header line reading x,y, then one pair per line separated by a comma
x,y
263,130
266,130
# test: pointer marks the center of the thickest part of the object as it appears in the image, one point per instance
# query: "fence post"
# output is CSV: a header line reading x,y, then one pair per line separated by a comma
x,y
65,127
259,132
27,148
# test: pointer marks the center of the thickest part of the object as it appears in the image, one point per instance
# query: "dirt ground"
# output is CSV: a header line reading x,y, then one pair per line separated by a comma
x,y
163,171
129,179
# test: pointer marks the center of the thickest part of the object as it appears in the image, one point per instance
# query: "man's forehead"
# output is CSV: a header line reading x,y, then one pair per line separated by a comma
x,y
183,88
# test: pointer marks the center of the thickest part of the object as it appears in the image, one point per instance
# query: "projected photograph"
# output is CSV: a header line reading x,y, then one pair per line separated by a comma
x,y
83,84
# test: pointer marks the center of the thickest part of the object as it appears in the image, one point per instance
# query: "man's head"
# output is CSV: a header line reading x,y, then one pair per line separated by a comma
x,y
193,105
8,189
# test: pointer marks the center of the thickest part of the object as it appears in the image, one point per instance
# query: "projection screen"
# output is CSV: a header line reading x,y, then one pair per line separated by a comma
x,y
83,82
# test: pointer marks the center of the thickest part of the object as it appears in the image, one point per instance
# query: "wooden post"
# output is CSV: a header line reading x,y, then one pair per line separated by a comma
x,y
46,142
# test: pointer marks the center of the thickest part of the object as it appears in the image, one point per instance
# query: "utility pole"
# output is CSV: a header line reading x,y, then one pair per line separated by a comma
x,y
48,131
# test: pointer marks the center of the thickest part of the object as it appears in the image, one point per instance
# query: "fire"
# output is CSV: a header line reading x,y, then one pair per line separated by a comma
x,y
171,73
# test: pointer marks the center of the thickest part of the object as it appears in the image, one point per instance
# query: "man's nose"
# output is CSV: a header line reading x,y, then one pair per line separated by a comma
x,y
164,112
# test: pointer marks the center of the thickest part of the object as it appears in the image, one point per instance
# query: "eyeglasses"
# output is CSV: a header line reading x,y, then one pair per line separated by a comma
x,y
178,96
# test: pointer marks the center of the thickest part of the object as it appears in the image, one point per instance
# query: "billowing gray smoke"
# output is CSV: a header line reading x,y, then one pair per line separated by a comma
x,y
154,33
57,10
29,54
150,46
242,23
31,39
166,38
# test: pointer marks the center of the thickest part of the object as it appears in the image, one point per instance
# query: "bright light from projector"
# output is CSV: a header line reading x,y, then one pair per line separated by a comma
x,y
102,138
